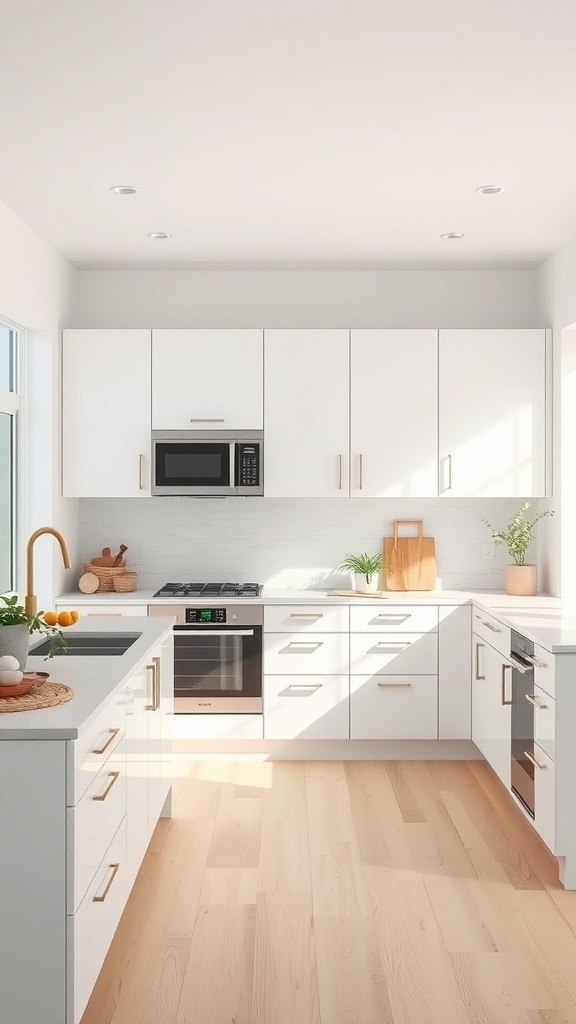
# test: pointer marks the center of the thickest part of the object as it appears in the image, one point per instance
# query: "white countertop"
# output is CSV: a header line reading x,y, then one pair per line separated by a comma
x,y
544,619
93,679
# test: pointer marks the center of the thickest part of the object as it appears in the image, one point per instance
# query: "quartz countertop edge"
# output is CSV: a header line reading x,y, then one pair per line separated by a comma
x,y
546,620
93,679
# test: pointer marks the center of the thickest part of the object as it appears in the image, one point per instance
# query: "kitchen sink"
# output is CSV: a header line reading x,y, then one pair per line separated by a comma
x,y
87,645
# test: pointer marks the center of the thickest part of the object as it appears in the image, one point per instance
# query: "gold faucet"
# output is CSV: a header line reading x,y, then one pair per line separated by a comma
x,y
30,601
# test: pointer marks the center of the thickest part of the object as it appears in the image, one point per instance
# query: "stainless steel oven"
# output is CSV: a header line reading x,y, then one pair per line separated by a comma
x,y
207,463
522,720
217,658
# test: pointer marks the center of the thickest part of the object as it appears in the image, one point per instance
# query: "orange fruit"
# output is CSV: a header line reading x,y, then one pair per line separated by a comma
x,y
75,616
65,619
50,618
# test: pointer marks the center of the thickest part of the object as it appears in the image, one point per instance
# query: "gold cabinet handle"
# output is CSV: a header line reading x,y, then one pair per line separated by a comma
x,y
503,695
113,734
141,472
306,643
100,899
395,682
113,776
534,700
152,706
305,686
489,625
533,760
361,472
306,615
156,663
478,646
206,419
339,472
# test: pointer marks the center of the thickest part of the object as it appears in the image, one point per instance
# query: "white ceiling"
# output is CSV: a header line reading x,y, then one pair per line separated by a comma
x,y
291,133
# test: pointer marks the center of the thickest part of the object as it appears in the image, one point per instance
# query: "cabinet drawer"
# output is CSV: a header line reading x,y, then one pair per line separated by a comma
x,y
494,632
91,929
91,750
545,798
291,654
108,609
92,824
412,653
405,618
309,708
395,708
545,722
306,618
218,727
544,674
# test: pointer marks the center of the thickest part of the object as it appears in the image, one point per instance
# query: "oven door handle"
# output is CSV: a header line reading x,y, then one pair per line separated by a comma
x,y
519,664
213,632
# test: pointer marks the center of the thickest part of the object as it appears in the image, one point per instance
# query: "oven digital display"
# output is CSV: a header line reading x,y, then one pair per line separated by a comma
x,y
206,615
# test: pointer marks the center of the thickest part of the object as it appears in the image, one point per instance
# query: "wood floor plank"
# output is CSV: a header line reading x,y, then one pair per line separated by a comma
x,y
405,793
217,987
285,983
492,984
236,836
237,886
285,848
351,980
378,821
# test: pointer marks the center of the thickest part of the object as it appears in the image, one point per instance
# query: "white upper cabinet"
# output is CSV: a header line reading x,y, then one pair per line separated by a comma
x,y
106,391
207,379
492,421
394,413
306,413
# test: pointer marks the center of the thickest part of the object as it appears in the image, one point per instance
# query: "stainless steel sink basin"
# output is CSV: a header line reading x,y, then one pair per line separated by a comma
x,y
88,645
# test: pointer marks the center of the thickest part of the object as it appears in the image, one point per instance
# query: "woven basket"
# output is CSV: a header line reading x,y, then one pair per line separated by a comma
x,y
106,574
126,583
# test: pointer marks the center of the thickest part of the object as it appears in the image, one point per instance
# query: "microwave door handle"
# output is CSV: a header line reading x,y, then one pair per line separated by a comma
x,y
232,464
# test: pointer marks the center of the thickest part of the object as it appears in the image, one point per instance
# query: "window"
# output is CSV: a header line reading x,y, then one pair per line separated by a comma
x,y
8,423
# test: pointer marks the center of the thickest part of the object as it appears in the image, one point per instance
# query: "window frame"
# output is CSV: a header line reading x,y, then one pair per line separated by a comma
x,y
10,404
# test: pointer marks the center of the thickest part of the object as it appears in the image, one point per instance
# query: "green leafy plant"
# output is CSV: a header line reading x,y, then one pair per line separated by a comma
x,y
518,535
14,614
363,564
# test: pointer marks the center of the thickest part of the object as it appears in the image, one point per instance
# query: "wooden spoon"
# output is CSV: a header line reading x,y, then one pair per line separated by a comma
x,y
116,562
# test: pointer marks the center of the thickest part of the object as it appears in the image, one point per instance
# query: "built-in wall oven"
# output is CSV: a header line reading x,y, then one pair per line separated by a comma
x,y
522,719
217,658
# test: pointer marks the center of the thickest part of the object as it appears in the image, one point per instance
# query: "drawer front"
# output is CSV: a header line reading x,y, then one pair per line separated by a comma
x,y
544,670
91,929
307,708
306,619
545,798
545,722
93,823
406,618
110,609
404,653
396,708
291,654
492,631
92,749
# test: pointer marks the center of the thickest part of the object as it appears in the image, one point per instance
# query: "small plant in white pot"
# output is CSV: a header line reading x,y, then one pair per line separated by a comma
x,y
521,576
366,569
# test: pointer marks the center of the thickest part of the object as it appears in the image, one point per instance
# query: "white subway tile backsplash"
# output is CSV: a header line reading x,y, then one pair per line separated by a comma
x,y
290,542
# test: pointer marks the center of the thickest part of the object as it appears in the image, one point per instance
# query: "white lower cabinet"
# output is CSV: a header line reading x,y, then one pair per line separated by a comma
x,y
306,707
312,654
545,797
491,701
400,653
394,707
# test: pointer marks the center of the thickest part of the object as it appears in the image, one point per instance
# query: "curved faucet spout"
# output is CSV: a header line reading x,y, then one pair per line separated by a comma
x,y
30,602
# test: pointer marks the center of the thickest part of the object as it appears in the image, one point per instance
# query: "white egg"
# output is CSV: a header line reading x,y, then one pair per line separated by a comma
x,y
9,678
9,663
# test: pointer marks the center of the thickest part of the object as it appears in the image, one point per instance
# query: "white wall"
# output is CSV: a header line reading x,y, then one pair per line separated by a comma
x,y
36,287
275,298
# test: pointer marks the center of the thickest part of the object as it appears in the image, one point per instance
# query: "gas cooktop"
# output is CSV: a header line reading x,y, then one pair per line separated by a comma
x,y
210,590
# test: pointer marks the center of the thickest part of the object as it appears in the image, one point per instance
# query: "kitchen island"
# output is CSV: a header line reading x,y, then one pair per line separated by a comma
x,y
82,786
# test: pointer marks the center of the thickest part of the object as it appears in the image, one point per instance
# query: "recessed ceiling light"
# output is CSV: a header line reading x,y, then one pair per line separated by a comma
x,y
124,190
159,234
490,190
453,234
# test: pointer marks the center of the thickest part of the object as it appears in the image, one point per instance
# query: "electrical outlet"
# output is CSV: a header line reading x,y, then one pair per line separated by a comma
x,y
487,551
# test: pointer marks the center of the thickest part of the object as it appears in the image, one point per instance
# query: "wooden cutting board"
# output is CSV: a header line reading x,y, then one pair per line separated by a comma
x,y
412,560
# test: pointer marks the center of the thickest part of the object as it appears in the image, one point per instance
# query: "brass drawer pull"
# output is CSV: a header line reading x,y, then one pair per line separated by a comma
x,y
339,472
141,472
478,646
489,625
361,472
111,738
306,643
207,419
397,644
305,686
503,695
100,899
156,663
534,700
152,706
113,776
306,615
533,760
400,682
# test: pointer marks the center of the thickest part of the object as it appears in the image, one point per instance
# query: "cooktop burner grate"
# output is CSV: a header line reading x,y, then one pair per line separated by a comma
x,y
209,590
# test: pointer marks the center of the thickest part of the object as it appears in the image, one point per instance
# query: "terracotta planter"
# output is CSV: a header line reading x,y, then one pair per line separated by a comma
x,y
521,580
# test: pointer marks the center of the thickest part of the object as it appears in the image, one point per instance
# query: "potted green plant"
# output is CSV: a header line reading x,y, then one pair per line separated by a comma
x,y
16,626
366,569
521,576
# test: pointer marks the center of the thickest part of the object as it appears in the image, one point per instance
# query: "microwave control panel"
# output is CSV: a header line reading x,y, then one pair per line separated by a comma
x,y
248,471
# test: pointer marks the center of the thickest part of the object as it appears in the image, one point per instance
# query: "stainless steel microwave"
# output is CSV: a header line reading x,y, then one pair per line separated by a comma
x,y
207,463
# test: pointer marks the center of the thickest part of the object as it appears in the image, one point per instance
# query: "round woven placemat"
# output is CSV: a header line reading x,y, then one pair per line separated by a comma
x,y
44,695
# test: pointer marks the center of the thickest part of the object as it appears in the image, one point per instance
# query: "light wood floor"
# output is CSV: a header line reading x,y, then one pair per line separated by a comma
x,y
342,893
